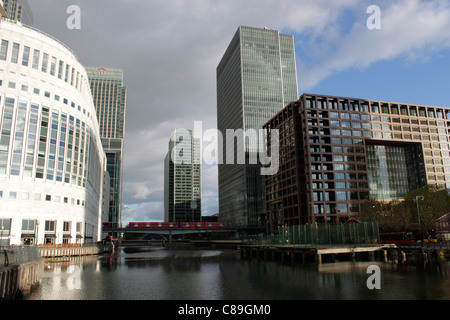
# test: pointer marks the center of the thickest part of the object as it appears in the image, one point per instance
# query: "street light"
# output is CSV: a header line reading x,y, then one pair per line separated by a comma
x,y
418,215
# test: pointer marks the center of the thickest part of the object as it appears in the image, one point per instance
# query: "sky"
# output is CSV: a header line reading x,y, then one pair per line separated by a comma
x,y
169,51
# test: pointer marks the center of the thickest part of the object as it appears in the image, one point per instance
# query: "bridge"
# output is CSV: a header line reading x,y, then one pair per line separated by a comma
x,y
169,231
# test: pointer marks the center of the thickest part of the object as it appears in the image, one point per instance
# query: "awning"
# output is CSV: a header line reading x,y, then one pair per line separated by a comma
x,y
67,236
50,235
27,235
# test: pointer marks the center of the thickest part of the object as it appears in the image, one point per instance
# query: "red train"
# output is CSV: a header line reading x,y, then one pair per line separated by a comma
x,y
178,225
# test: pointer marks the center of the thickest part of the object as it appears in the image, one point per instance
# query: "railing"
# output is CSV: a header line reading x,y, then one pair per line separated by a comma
x,y
14,255
429,246
70,245
339,234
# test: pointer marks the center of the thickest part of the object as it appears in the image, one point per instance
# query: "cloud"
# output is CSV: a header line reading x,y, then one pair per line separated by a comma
x,y
411,29
169,51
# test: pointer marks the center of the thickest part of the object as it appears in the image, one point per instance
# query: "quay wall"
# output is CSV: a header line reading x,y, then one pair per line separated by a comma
x,y
21,269
60,251
320,254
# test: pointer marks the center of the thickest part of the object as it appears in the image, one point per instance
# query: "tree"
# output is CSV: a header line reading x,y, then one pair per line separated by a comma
x,y
417,212
429,203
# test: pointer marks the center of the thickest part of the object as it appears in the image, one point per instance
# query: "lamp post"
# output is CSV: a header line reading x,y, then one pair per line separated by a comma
x,y
418,213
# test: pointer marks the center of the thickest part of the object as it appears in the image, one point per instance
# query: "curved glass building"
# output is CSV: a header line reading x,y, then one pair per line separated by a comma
x,y
51,158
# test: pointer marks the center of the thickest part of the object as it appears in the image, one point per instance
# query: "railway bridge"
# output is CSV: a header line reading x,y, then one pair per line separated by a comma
x,y
169,233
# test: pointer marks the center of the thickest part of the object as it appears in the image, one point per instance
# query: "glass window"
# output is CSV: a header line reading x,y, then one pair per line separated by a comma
x,y
53,66
3,50
60,69
44,62
36,54
341,195
25,56
15,53
49,226
27,225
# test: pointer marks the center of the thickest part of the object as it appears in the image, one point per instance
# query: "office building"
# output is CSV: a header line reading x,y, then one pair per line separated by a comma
x,y
336,153
182,178
2,10
256,78
109,95
51,158
18,10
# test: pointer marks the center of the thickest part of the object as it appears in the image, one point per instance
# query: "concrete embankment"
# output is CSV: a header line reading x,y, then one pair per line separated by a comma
x,y
20,270
49,252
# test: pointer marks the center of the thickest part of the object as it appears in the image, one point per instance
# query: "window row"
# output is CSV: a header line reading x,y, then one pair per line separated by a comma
x,y
39,142
47,94
378,107
41,197
28,57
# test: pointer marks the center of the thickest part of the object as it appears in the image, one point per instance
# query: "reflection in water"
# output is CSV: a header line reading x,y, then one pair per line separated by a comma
x,y
168,274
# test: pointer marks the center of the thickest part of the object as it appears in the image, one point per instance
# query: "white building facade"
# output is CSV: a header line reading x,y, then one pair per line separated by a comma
x,y
51,158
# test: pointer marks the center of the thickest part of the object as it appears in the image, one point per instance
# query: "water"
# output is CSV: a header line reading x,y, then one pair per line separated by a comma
x,y
156,273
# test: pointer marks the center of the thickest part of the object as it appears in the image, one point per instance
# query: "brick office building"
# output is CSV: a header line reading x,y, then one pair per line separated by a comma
x,y
335,153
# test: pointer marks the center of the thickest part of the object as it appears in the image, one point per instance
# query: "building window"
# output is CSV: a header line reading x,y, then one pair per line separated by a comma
x,y
25,56
28,226
35,63
50,226
4,50
53,66
15,53
44,62
66,226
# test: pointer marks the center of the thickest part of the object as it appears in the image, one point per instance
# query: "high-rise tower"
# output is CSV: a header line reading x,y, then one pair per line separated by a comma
x,y
256,78
18,10
182,178
109,97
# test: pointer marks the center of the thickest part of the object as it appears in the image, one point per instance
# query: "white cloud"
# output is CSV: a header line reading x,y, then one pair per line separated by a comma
x,y
169,51
409,28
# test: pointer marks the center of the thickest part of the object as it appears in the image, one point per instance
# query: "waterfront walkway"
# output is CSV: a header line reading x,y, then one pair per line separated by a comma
x,y
311,253
330,253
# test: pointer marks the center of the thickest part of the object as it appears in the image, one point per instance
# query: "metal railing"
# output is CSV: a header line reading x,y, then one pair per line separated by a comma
x,y
338,234
10,255
439,245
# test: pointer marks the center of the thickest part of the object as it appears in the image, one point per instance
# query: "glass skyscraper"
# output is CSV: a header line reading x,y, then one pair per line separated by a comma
x,y
18,10
256,78
182,178
109,95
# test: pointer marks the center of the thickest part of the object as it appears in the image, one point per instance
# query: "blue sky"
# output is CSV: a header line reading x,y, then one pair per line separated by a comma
x,y
169,51
420,82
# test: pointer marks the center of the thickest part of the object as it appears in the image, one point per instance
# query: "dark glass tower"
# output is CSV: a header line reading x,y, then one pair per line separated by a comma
x,y
256,78
182,178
